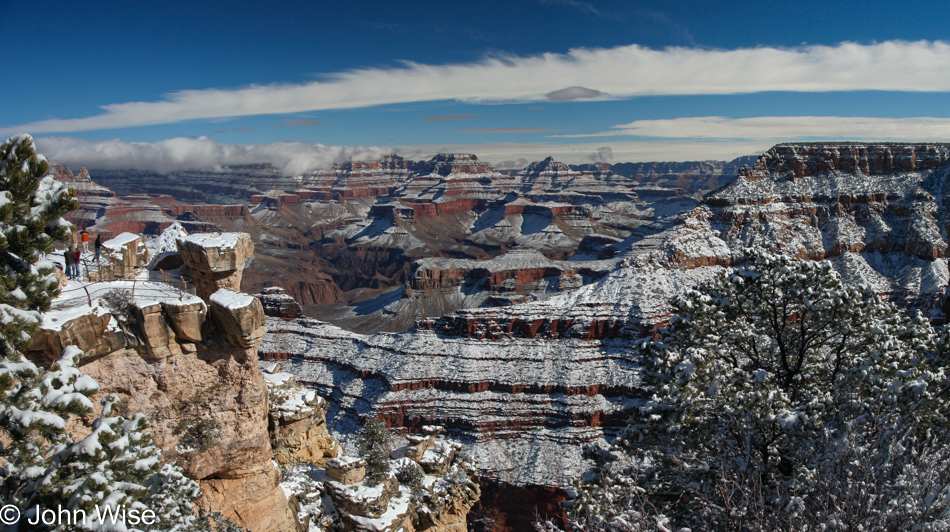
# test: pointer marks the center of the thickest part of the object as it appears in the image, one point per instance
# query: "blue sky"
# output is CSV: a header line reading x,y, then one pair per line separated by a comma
x,y
109,83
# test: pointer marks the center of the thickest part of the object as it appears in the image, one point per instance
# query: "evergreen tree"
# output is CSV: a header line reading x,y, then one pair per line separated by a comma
x,y
374,443
32,204
775,389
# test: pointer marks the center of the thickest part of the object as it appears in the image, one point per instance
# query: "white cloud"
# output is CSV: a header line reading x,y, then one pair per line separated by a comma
x,y
292,158
603,154
621,72
623,151
787,128
573,93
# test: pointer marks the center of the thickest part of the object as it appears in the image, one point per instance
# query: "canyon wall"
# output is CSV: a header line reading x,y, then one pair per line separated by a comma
x,y
528,384
190,365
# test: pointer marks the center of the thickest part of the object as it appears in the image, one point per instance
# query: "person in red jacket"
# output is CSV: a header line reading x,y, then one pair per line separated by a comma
x,y
85,240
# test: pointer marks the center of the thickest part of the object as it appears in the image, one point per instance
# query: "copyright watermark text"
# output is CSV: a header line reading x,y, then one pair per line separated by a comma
x,y
10,514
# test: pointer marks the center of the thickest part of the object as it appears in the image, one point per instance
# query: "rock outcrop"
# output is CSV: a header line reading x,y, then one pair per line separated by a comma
x,y
297,421
93,331
279,304
521,380
194,377
239,316
215,260
122,257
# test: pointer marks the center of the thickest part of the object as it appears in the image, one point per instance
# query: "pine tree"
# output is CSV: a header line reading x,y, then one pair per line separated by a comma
x,y
781,398
32,204
373,443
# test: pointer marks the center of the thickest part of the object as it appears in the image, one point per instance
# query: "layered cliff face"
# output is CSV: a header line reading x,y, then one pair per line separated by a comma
x,y
328,236
523,407
876,211
527,384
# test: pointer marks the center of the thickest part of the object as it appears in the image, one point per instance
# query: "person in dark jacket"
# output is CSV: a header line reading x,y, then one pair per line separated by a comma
x,y
98,244
71,260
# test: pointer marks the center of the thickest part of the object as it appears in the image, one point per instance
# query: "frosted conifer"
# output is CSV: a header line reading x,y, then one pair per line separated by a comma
x,y
42,467
373,443
32,204
782,398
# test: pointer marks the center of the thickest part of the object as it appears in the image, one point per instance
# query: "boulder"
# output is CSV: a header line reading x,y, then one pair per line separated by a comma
x,y
157,335
125,252
94,333
346,469
239,317
215,260
360,499
187,318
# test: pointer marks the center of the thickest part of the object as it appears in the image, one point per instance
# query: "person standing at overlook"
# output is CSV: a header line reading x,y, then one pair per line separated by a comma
x,y
85,240
71,260
98,245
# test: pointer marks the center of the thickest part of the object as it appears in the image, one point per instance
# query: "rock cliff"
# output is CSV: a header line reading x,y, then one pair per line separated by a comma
x,y
192,372
327,236
528,383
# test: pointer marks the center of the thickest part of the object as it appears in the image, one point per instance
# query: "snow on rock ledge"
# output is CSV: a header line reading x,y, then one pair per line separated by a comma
x,y
215,260
297,421
239,317
126,252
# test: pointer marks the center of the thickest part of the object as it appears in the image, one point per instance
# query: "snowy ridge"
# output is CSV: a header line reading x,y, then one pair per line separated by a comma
x,y
495,396
525,384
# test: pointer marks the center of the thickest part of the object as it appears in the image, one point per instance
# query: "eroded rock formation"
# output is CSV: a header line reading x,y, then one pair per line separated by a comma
x,y
279,304
215,260
529,383
194,377
297,421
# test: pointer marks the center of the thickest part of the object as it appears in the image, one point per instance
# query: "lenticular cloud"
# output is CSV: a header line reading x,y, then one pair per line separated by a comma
x,y
292,158
621,72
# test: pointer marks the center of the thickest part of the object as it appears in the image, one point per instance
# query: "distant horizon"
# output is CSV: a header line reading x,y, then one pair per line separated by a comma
x,y
75,167
110,163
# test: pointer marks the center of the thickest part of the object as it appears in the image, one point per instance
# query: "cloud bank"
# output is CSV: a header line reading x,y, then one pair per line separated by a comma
x,y
508,153
291,158
622,72
786,128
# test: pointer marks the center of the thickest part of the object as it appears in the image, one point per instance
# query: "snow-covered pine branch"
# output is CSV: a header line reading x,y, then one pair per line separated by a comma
x,y
782,398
